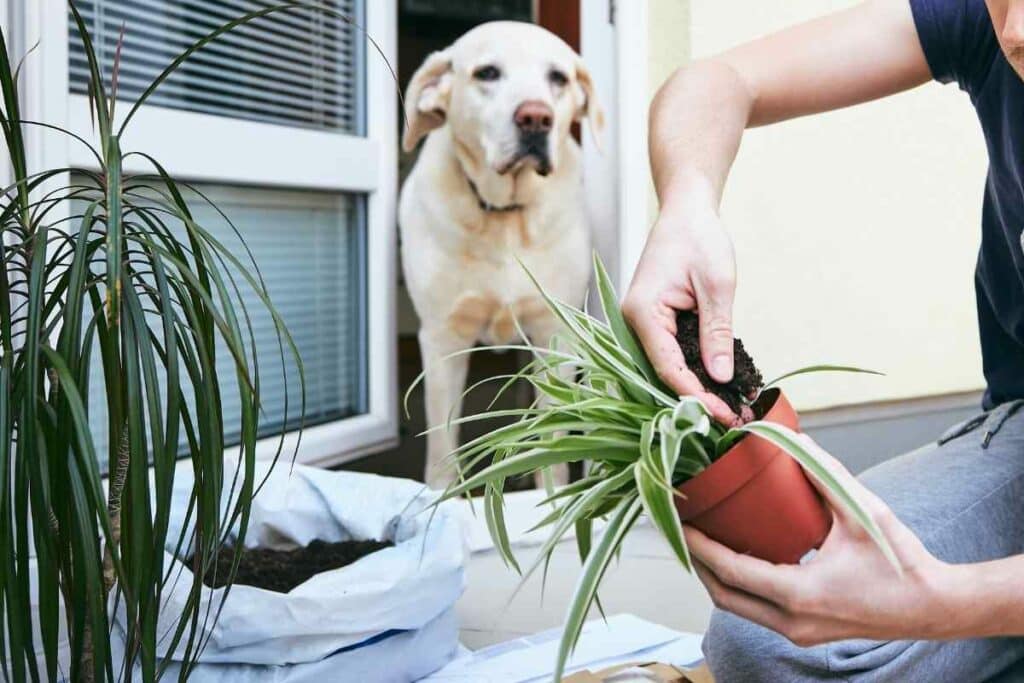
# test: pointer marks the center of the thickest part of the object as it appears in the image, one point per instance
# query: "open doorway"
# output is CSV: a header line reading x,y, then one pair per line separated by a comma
x,y
425,26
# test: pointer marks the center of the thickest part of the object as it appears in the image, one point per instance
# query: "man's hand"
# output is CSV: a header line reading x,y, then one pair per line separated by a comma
x,y
687,264
848,590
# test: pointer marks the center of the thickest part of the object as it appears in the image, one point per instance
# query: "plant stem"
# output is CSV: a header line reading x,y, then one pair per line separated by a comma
x,y
86,674
117,480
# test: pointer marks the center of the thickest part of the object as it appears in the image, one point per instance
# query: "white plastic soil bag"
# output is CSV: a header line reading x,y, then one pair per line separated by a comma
x,y
387,617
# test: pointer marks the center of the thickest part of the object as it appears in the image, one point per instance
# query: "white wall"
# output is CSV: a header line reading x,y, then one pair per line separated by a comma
x,y
856,232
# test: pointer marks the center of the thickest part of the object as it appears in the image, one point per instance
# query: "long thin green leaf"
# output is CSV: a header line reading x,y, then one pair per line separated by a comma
x,y
570,515
787,440
821,368
517,464
590,577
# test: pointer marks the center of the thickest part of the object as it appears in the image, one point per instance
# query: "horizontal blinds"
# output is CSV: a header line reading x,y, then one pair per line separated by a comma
x,y
308,246
300,68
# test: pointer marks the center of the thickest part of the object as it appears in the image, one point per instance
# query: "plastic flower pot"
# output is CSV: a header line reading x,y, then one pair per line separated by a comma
x,y
756,499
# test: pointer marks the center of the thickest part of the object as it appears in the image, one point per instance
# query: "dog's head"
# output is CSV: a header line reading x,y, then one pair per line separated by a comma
x,y
510,92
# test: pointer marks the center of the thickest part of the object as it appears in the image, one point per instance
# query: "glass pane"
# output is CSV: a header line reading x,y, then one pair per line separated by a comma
x,y
299,68
309,247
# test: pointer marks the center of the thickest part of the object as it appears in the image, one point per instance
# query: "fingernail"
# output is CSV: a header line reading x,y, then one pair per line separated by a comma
x,y
721,367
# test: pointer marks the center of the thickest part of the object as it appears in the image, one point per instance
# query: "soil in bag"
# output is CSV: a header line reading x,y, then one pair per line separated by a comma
x,y
283,570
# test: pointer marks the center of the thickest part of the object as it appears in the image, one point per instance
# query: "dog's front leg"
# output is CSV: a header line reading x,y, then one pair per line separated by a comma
x,y
444,377
542,326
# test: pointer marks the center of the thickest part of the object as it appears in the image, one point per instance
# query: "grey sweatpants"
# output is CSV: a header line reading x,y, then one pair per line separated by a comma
x,y
964,497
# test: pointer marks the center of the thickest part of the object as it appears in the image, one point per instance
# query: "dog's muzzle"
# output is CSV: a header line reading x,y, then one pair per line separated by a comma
x,y
533,147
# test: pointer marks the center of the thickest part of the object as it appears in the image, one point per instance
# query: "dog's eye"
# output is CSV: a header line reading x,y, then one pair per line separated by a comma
x,y
558,77
487,73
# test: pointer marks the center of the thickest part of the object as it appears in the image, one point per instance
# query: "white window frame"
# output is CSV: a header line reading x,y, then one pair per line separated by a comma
x,y
5,26
235,151
614,45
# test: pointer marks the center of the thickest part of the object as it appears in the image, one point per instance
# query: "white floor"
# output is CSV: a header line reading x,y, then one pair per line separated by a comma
x,y
647,581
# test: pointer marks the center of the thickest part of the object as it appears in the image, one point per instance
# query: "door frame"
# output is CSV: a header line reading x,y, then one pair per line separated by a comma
x,y
614,45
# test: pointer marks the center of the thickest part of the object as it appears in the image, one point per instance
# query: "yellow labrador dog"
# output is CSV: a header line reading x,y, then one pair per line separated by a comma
x,y
498,179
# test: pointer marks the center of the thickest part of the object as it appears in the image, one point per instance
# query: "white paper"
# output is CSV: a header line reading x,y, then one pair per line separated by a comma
x,y
531,659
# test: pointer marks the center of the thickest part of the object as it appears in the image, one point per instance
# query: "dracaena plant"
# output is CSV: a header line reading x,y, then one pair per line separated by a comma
x,y
602,403
100,268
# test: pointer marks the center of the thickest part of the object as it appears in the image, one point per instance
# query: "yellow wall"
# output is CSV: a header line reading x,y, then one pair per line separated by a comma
x,y
856,232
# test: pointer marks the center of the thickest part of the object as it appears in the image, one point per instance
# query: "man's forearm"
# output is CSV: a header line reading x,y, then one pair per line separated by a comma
x,y
698,117
987,597
697,121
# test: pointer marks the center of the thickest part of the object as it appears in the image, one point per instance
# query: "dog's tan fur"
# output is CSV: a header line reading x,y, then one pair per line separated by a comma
x,y
459,259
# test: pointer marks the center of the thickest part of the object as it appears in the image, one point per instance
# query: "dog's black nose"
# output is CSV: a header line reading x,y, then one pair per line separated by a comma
x,y
534,117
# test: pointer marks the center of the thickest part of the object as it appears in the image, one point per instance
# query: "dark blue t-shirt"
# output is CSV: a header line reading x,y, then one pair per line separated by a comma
x,y
960,45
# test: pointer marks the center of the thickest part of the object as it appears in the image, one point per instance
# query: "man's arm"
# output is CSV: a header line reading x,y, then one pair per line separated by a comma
x,y
697,121
989,598
698,117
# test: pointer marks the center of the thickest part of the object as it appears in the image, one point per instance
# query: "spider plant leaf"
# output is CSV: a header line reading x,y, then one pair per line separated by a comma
x,y
609,441
527,461
787,440
572,514
617,323
548,479
584,537
654,485
554,515
821,368
691,411
727,441
590,577
571,489
551,353
552,390
494,514
635,382
490,415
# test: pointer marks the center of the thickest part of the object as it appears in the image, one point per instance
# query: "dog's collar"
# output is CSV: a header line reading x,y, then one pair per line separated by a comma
x,y
487,206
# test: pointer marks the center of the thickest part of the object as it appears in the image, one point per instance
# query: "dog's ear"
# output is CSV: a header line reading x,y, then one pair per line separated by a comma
x,y
426,98
588,106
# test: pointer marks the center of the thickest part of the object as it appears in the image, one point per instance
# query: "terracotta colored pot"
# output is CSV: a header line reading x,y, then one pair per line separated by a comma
x,y
756,499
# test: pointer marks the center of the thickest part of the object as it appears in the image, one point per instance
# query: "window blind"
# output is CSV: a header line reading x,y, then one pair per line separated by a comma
x,y
300,67
309,247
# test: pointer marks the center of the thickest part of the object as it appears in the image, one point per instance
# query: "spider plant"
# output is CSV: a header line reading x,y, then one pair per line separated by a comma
x,y
603,404
104,269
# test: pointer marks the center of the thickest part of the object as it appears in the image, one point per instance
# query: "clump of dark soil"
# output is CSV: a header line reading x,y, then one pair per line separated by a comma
x,y
282,570
746,378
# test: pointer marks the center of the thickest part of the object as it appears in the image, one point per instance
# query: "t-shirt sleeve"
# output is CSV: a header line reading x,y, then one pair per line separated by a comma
x,y
957,39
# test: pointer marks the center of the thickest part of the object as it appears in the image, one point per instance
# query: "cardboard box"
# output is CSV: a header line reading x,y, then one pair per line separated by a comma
x,y
649,671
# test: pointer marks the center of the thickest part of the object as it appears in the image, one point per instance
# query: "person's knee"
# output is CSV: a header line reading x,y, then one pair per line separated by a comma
x,y
737,650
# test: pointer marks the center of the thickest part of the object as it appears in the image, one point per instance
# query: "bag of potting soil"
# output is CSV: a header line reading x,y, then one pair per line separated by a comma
x,y
386,617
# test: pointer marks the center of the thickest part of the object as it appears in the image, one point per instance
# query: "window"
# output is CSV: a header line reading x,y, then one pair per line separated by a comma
x,y
299,68
309,248
288,125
